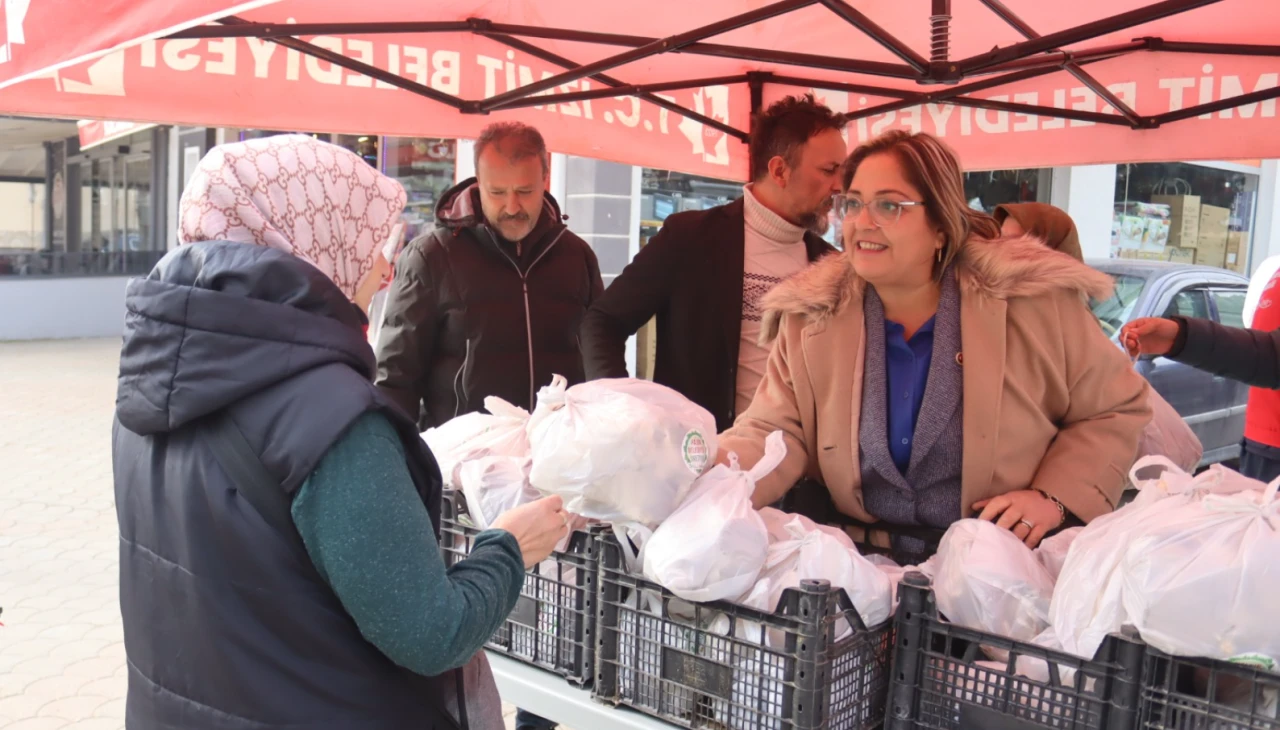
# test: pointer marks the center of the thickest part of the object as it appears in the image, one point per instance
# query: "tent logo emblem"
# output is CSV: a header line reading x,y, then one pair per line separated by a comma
x,y
103,77
15,16
713,152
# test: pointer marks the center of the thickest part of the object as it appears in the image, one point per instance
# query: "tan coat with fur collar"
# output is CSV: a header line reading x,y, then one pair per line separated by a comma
x,y
1049,401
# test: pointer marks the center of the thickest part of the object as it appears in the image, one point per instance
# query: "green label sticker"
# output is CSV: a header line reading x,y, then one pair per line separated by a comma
x,y
695,451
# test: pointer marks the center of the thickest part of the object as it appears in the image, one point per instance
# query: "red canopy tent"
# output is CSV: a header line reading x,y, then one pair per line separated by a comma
x,y
1007,84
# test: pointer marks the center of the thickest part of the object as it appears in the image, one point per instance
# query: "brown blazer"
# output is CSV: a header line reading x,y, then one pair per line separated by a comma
x,y
1049,401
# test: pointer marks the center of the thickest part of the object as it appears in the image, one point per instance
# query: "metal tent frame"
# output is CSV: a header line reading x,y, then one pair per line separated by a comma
x,y
1038,55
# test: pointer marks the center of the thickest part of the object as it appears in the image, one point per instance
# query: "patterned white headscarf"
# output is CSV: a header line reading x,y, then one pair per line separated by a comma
x,y
318,201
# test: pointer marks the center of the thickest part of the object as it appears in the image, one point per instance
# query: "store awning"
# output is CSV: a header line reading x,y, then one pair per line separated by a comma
x,y
671,83
95,132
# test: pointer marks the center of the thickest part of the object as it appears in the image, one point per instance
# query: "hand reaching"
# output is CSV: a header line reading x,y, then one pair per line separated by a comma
x,y
537,527
1149,336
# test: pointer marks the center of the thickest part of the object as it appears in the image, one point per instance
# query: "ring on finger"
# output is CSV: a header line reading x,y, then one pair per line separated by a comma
x,y
1030,525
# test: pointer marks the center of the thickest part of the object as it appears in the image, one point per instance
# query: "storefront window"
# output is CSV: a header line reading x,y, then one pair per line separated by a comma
x,y
366,146
986,190
116,214
1185,213
97,210
135,229
426,168
103,212
21,226
261,133
663,192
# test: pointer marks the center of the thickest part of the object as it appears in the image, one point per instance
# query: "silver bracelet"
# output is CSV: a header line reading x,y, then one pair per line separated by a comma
x,y
1062,509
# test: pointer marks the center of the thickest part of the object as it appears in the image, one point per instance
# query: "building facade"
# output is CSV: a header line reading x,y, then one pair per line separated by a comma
x,y
80,215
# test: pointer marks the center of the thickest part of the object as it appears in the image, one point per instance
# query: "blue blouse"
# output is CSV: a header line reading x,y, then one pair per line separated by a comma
x,y
907,365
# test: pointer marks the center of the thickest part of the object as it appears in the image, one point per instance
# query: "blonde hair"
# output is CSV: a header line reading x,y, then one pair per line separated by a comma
x,y
935,171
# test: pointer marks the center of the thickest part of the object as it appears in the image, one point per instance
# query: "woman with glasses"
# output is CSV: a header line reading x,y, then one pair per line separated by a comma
x,y
934,371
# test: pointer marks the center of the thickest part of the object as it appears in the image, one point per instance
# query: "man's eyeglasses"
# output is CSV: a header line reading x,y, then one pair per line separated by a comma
x,y
884,211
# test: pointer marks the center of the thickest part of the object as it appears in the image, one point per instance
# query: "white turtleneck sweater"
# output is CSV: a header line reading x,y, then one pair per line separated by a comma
x,y
774,251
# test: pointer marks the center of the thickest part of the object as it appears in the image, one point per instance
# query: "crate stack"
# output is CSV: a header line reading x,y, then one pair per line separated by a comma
x,y
943,679
814,665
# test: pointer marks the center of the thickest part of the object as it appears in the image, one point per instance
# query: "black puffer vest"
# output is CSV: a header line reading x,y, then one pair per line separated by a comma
x,y
227,623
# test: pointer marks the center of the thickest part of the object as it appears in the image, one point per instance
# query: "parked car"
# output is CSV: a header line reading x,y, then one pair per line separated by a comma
x,y
1212,406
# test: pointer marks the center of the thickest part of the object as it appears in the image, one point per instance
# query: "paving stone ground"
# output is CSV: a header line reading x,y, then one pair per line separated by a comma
x,y
62,660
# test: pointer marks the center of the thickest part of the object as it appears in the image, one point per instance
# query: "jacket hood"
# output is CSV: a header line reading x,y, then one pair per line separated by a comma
x,y
216,322
1001,268
459,207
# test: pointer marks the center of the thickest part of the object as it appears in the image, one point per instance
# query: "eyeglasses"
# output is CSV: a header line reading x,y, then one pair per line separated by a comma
x,y
884,211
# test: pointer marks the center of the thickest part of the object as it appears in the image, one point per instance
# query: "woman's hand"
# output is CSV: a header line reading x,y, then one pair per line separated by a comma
x,y
1149,336
537,527
1027,513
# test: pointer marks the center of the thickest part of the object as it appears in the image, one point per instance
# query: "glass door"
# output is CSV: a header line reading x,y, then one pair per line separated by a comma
x,y
136,213
98,248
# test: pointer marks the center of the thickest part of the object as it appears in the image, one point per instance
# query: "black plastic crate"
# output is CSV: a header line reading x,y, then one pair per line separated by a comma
x,y
714,666
553,623
943,679
1203,694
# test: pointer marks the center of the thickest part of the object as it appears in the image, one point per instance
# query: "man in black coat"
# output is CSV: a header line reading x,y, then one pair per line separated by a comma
x,y
490,301
705,272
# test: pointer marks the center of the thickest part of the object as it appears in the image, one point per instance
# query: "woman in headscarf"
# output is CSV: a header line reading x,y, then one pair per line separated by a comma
x,y
1045,222
279,564
1167,434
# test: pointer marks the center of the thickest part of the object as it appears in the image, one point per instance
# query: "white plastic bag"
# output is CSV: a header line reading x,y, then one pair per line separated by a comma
x,y
1158,478
500,432
801,549
895,573
619,450
1092,608
988,579
1205,580
377,309
1169,436
1052,551
713,547
494,484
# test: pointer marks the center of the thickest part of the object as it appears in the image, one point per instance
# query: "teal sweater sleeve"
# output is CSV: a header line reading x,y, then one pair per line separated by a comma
x,y
370,536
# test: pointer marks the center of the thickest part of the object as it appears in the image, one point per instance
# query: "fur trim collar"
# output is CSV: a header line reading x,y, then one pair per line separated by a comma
x,y
1003,268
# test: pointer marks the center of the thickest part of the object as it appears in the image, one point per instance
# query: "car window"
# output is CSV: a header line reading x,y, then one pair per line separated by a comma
x,y
1188,303
1230,306
1115,310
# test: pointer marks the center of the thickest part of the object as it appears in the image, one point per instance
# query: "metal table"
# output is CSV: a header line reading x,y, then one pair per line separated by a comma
x,y
549,696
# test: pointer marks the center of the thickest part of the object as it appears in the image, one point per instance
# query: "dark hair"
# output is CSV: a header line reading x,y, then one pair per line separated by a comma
x,y
933,169
785,127
525,142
